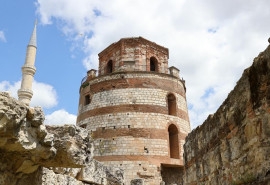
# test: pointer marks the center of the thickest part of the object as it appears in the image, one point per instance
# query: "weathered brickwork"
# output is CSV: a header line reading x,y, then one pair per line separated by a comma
x,y
136,52
137,79
155,97
135,110
130,146
139,169
149,133
140,80
135,120
129,108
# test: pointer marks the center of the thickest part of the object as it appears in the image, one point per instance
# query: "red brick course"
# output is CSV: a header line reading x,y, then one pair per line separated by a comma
x,y
153,159
130,108
149,133
153,83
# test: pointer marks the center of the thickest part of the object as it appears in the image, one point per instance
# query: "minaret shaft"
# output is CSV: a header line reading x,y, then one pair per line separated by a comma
x,y
25,93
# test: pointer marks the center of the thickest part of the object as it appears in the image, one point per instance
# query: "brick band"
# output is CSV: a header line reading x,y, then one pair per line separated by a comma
x,y
154,83
130,108
149,133
154,159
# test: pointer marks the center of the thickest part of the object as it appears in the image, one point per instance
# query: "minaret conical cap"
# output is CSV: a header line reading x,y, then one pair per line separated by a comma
x,y
33,39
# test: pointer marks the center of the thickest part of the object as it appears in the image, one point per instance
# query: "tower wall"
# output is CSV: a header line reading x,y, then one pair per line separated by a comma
x,y
133,54
138,119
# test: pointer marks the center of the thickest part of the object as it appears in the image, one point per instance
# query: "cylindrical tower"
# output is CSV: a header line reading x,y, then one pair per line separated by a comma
x,y
25,93
136,110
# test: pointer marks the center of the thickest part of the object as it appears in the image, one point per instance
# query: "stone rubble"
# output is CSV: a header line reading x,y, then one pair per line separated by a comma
x,y
32,153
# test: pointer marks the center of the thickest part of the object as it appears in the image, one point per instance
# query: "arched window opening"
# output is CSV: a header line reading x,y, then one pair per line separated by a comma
x,y
109,66
171,104
173,142
153,64
87,100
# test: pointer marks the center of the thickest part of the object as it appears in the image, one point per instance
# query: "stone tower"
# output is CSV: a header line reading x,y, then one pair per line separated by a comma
x,y
136,110
25,93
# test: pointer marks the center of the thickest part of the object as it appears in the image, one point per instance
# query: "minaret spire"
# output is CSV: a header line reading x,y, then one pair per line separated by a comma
x,y
25,93
33,39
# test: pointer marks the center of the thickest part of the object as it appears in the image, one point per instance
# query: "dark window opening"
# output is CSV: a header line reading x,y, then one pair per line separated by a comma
x,y
87,100
109,66
153,64
171,104
173,142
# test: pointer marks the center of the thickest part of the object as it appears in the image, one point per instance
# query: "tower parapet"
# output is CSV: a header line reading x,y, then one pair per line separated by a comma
x,y
25,93
136,109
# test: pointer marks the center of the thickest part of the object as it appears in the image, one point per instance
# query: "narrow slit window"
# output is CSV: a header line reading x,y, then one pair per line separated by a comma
x,y
87,100
171,104
173,142
110,66
153,64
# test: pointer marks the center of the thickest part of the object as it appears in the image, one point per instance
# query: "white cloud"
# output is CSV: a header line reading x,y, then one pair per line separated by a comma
x,y
2,36
60,117
210,41
44,95
9,87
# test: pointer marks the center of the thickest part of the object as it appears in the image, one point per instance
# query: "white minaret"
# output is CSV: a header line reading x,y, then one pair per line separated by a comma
x,y
25,93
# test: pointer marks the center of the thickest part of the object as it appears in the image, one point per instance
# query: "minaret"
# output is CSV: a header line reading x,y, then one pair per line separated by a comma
x,y
25,93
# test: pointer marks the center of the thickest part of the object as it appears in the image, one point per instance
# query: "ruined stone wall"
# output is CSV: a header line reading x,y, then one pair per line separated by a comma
x,y
32,153
233,145
172,176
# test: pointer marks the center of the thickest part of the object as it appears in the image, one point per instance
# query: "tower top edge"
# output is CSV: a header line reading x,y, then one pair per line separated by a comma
x,y
136,39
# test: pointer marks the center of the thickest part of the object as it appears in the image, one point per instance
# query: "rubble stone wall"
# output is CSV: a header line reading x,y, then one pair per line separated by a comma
x,y
32,153
233,145
148,173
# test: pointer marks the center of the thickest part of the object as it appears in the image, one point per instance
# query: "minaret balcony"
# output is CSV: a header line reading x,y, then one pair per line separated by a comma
x,y
25,94
27,69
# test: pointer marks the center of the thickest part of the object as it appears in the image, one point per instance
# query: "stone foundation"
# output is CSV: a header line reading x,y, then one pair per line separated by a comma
x,y
172,175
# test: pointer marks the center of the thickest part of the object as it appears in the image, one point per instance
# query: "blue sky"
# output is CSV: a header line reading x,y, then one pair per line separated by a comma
x,y
210,41
57,66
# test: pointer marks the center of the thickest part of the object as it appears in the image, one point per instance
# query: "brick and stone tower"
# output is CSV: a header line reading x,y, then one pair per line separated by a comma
x,y
136,110
25,93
